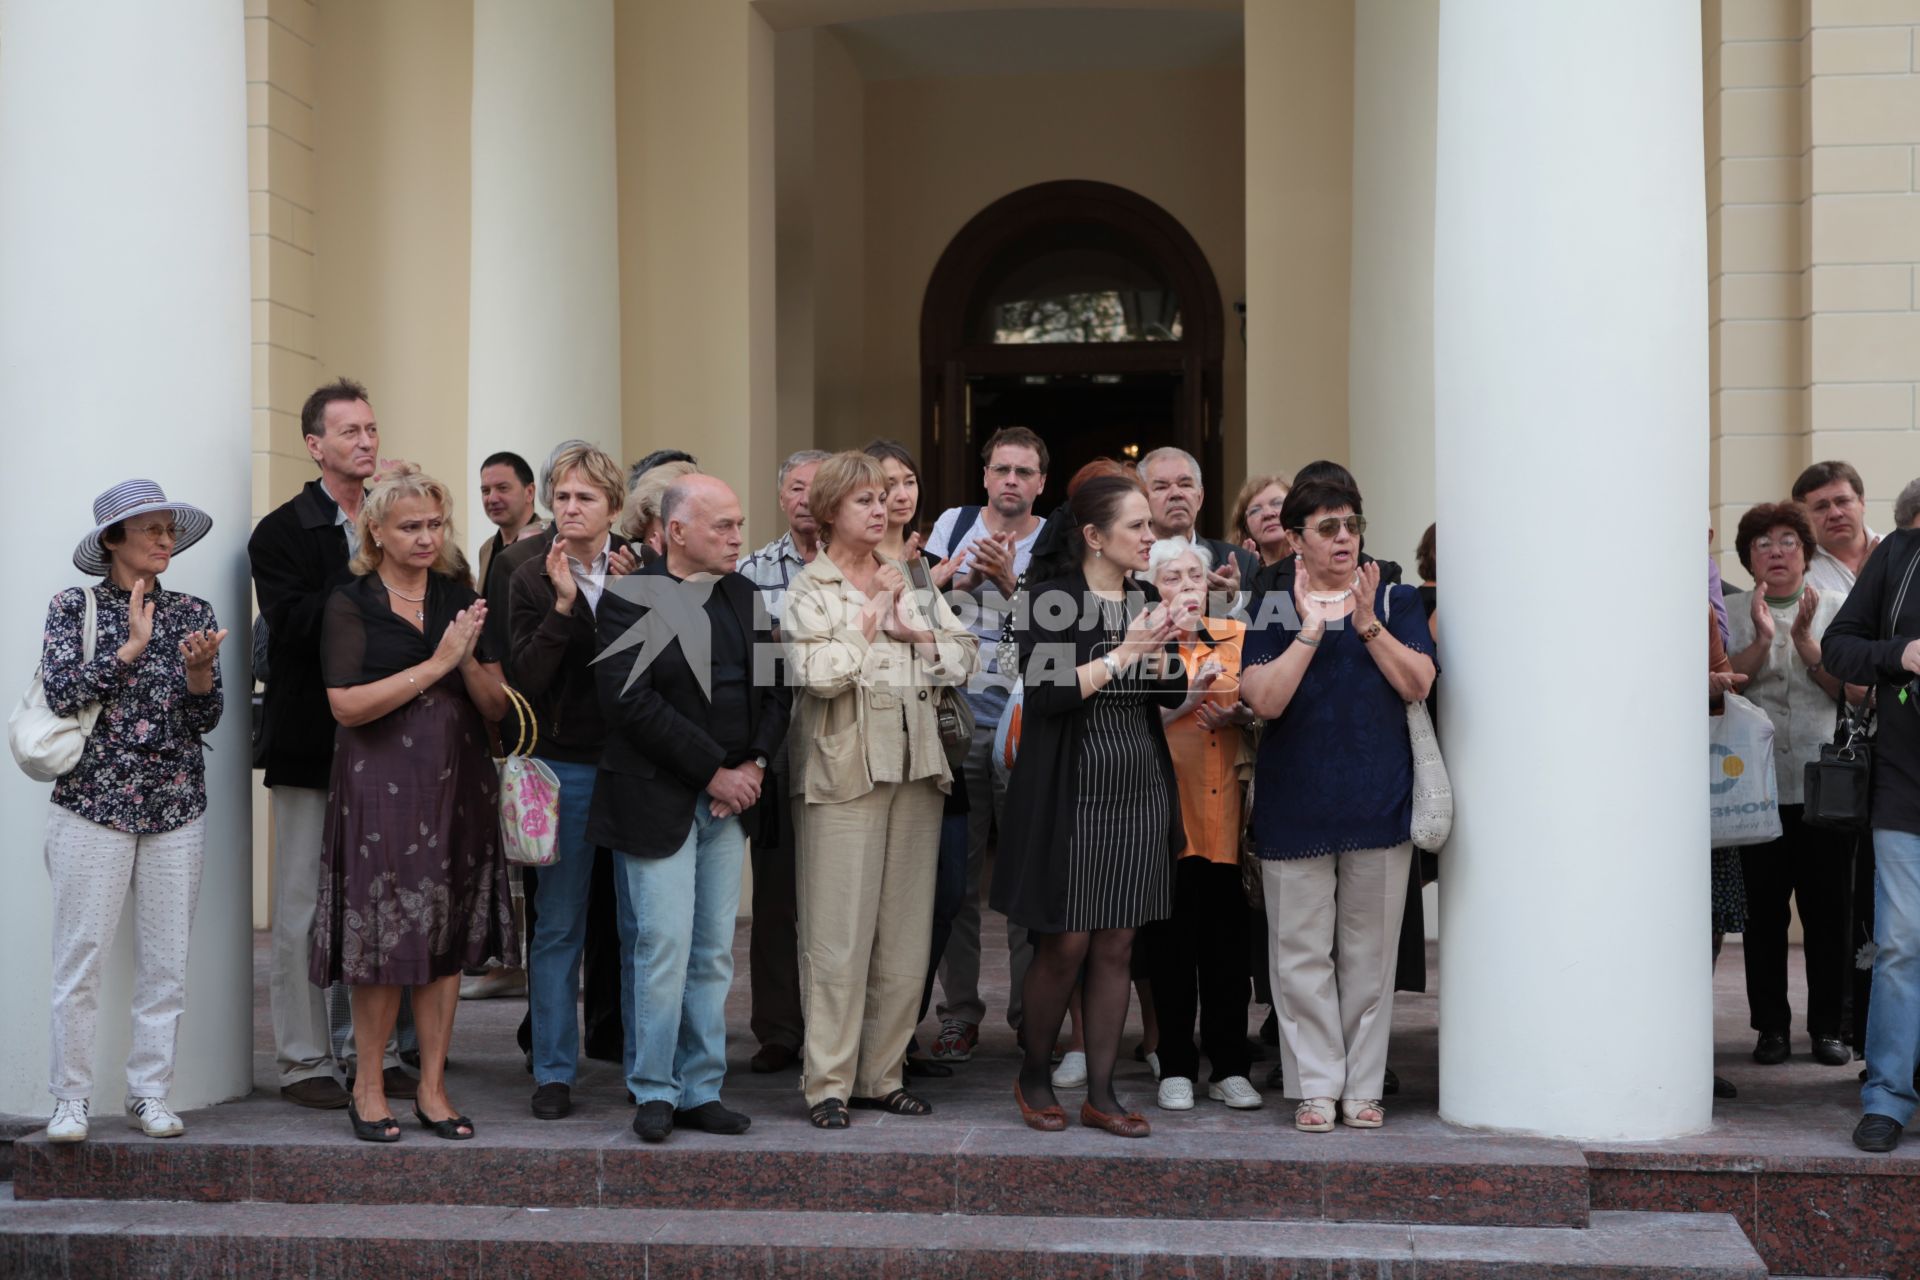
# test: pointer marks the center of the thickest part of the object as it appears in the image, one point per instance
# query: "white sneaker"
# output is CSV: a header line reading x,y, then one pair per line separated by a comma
x,y
1153,1064
1176,1094
1072,1071
151,1117
1237,1092
69,1123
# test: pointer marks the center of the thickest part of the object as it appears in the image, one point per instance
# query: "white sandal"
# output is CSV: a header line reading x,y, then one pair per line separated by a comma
x,y
1314,1115
1353,1110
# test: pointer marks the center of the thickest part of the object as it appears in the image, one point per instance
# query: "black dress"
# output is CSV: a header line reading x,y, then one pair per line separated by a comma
x,y
413,883
1093,810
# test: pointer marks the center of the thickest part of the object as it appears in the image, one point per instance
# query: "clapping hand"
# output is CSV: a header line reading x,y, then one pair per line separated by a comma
x,y
1762,616
139,622
993,559
1364,589
622,561
560,575
458,640
198,649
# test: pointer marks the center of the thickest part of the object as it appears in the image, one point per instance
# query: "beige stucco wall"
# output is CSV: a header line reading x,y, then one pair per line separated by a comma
x,y
940,150
395,90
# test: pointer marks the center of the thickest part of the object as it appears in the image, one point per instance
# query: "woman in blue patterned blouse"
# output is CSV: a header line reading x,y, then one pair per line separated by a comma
x,y
132,812
1333,802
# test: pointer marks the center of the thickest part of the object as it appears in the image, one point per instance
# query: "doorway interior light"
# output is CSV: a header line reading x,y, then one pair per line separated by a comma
x,y
1037,379
1131,452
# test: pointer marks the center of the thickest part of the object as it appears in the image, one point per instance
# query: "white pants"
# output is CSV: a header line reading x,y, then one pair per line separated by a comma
x,y
91,867
1333,926
300,1037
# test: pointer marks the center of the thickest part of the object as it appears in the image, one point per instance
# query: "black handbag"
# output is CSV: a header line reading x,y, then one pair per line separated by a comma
x,y
952,712
1837,784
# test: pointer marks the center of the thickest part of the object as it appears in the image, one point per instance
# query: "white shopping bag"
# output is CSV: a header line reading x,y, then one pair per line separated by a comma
x,y
1744,801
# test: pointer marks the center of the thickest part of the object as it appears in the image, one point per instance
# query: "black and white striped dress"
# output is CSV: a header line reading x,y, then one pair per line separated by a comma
x,y
1119,874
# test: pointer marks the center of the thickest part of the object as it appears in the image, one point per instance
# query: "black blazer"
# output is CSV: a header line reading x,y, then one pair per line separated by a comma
x,y
659,756
1030,870
551,661
298,556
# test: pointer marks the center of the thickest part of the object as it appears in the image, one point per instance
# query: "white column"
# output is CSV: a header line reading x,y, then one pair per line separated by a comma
x,y
544,320
124,352
1570,327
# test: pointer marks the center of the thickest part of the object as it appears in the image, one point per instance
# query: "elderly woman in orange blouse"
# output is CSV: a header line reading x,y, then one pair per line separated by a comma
x,y
1199,955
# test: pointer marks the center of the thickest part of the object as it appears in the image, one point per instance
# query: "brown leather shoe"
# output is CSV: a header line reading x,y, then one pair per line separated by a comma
x,y
322,1093
1130,1125
771,1058
1046,1119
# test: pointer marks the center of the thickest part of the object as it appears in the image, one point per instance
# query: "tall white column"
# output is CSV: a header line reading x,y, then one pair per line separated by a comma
x,y
124,352
1570,328
544,321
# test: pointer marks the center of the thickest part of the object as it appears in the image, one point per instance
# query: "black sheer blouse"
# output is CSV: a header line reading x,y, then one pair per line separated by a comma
x,y
363,640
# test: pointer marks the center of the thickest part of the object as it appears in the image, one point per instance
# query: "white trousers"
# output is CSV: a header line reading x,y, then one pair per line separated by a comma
x,y
91,867
301,1043
1333,926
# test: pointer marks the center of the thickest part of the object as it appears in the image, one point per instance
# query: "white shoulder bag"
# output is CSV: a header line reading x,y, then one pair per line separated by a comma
x,y
45,745
1432,788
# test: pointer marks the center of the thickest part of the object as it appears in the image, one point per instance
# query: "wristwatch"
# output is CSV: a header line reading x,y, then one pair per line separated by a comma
x,y
762,762
1373,629
1113,665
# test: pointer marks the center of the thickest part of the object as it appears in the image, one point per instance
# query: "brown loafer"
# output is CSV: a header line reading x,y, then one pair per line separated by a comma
x,y
1046,1119
322,1093
1130,1125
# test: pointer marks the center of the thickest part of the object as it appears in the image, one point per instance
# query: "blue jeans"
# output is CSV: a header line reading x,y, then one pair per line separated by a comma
x,y
1893,1020
676,914
560,933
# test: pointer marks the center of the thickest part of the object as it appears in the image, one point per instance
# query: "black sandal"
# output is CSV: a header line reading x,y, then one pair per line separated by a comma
x,y
449,1128
829,1113
899,1102
385,1129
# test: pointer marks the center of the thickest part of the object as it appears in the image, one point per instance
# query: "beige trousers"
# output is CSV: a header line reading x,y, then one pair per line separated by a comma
x,y
1333,927
864,882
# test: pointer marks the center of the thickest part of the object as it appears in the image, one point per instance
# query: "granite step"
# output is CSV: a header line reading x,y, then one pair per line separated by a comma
x,y
80,1238
874,1169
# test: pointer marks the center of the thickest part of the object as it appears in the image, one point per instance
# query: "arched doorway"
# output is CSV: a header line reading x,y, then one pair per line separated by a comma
x,y
1083,311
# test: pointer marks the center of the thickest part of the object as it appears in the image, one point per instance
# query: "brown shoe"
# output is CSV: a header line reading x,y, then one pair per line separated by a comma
x,y
395,1083
1130,1125
1045,1119
322,1093
771,1058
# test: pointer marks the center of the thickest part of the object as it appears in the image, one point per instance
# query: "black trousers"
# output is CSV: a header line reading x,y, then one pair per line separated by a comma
x,y
1810,866
1199,958
773,948
602,1016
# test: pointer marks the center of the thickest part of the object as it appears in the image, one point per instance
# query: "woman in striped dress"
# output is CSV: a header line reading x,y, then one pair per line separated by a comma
x,y
1092,857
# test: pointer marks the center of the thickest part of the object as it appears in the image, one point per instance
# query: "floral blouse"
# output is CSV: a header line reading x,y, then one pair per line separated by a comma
x,y
142,771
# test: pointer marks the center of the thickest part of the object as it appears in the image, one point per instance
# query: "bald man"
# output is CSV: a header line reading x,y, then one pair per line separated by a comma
x,y
678,794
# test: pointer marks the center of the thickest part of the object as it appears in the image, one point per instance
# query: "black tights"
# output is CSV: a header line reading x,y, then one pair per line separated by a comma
x,y
1058,958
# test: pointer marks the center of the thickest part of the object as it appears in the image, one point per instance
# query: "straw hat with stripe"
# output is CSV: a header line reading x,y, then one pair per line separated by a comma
x,y
125,501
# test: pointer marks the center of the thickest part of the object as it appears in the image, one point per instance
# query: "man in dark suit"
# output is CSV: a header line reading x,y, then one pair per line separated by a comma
x,y
1174,497
299,553
690,731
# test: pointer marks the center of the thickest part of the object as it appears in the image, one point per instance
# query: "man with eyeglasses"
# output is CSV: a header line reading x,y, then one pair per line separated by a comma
x,y
1836,503
988,548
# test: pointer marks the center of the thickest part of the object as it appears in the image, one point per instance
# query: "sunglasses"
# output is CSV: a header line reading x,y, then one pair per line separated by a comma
x,y
1330,527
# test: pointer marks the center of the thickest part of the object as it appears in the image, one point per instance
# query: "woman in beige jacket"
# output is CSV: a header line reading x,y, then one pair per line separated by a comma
x,y
868,656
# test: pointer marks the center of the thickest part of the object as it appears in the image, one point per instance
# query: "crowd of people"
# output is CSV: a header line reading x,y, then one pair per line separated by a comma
x,y
1195,753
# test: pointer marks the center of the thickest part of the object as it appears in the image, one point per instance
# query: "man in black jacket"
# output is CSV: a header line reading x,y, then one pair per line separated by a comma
x,y
1175,495
689,734
1875,639
299,553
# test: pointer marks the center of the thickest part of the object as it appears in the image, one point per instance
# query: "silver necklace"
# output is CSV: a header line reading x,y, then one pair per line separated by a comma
x,y
419,615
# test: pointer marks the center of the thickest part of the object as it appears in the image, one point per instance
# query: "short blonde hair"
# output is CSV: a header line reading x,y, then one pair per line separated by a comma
x,y
398,483
836,481
1237,522
598,468
643,500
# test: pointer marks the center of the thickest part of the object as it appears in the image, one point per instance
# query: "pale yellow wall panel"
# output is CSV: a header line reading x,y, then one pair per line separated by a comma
x,y
1759,237
1758,122
1755,469
1865,228
281,111
1886,459
1865,13
1866,348
1864,406
297,16
1760,64
289,275
1760,353
1756,296
1845,51
302,228
291,375
1740,411
1761,19
1859,110
1759,180
259,213
1875,288
1842,170
291,167
289,58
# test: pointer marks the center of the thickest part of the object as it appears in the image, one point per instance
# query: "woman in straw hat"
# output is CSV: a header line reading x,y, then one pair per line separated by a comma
x,y
132,811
